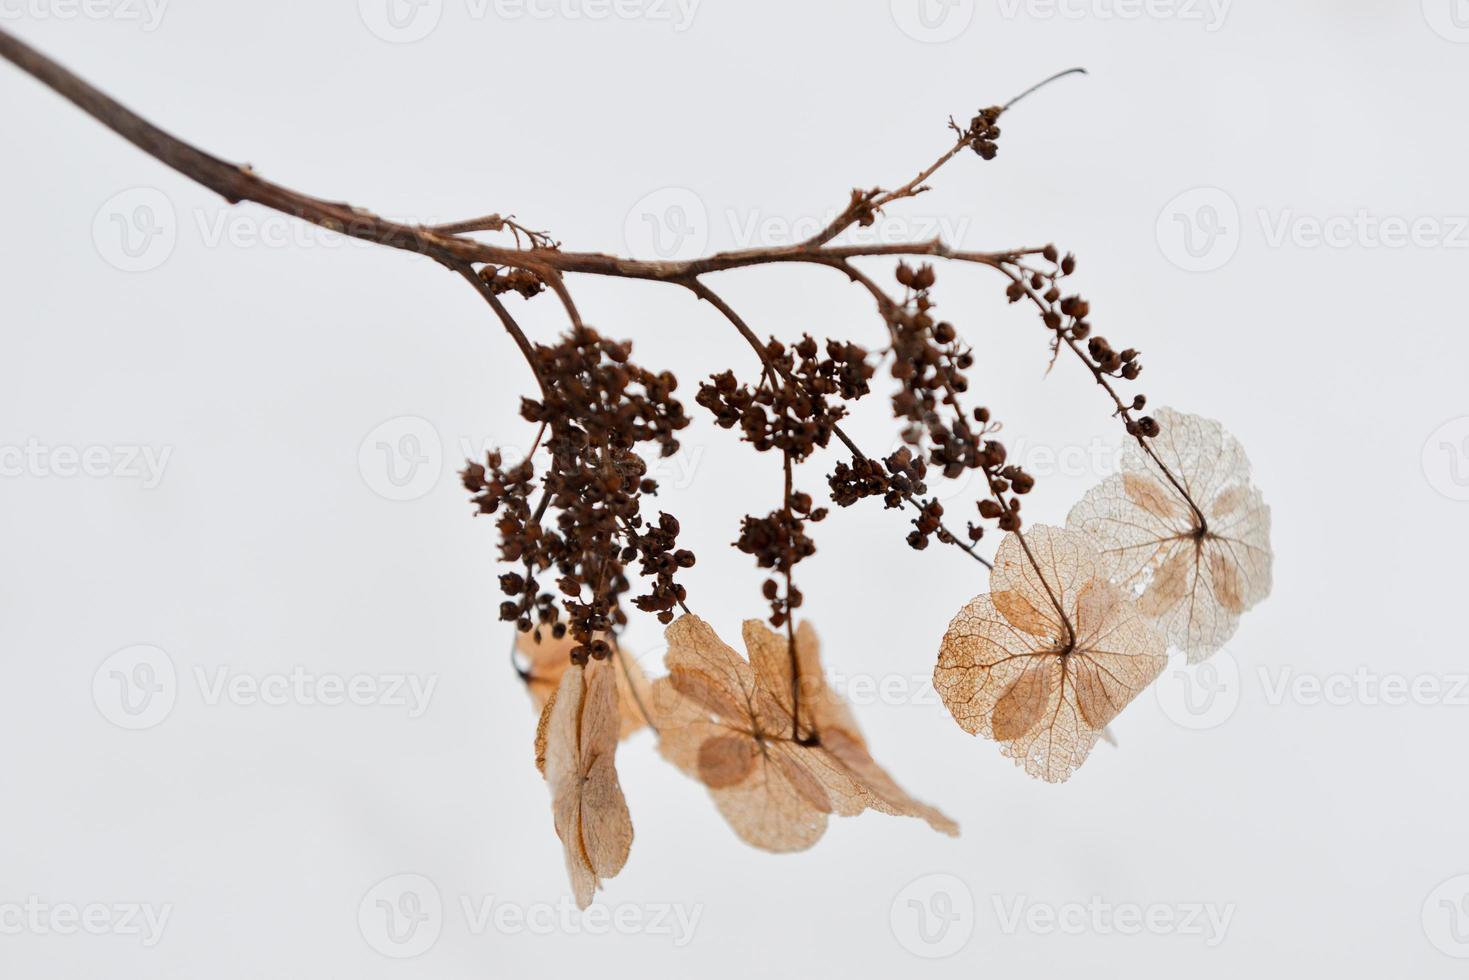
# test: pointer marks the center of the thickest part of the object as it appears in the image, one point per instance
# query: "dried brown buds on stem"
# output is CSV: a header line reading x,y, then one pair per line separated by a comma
x,y
929,362
793,410
597,409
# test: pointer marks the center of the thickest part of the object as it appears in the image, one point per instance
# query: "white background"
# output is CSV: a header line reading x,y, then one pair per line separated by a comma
x,y
261,355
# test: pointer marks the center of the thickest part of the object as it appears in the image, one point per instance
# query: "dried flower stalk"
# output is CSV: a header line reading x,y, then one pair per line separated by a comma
x,y
1075,623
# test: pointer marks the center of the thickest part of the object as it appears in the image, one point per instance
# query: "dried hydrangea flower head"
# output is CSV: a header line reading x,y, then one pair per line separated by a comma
x,y
727,722
1196,566
1049,657
576,750
548,659
1041,664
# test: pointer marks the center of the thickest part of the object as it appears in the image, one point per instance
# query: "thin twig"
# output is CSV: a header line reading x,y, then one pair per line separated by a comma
x,y
1042,84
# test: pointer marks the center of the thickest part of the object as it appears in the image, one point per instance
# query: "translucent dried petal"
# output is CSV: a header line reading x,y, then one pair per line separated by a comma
x,y
548,660
577,744
1194,577
1047,697
729,723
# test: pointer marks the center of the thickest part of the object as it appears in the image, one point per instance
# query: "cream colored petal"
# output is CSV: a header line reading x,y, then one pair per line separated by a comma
x,y
1173,582
1229,503
821,708
706,691
1201,455
684,726
1155,496
541,733
693,645
1098,605
1047,704
770,657
1023,615
1115,666
1244,537
831,712
1020,707
580,747
1067,560
1057,746
795,764
548,659
633,690
1194,580
767,812
727,760
1130,539
774,791
982,655
884,794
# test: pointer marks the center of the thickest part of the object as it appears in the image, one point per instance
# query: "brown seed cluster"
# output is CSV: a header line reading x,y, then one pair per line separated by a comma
x,y
1066,317
596,408
798,402
794,410
778,541
929,363
895,479
522,281
983,133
